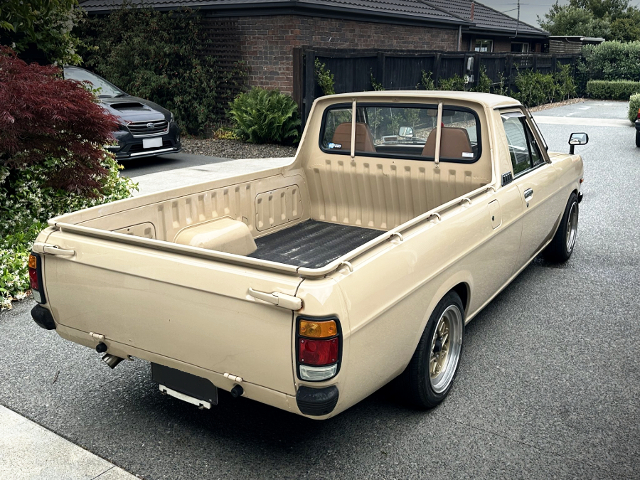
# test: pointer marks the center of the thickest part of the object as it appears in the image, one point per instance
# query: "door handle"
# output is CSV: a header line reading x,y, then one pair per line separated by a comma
x,y
279,299
528,194
55,250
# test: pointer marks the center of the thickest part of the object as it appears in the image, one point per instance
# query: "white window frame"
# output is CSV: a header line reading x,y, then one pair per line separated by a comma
x,y
483,43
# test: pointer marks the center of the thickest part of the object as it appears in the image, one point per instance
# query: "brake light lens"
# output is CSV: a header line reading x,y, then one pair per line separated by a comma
x,y
638,116
318,352
318,348
35,277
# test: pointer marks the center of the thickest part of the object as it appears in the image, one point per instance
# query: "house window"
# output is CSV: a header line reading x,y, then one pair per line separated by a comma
x,y
519,47
484,46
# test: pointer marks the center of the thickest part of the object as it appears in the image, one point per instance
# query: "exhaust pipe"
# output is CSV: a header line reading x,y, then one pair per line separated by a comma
x,y
111,360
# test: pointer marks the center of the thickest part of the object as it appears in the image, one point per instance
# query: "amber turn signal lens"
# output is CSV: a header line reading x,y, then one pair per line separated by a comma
x,y
33,261
314,329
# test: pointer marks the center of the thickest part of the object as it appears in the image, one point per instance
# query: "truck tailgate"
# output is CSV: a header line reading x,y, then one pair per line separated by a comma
x,y
197,311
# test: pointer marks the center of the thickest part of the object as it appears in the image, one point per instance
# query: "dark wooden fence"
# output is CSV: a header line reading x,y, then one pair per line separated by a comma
x,y
352,69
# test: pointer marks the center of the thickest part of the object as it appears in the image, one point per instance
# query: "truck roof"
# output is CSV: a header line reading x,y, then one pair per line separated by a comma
x,y
487,100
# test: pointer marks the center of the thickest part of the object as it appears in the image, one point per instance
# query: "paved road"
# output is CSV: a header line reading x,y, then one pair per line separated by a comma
x,y
548,386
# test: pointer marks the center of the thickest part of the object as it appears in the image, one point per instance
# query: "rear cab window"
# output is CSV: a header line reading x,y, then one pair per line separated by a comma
x,y
402,131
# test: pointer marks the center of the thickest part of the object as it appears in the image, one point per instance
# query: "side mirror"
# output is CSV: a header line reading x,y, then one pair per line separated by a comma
x,y
577,139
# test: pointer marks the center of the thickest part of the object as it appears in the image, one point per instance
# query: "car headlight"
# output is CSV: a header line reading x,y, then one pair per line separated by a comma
x,y
172,117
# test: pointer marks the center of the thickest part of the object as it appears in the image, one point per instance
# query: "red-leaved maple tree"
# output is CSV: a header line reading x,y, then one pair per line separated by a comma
x,y
43,116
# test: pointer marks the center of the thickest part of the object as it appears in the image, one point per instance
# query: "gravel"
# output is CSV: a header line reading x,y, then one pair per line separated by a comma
x,y
547,106
235,149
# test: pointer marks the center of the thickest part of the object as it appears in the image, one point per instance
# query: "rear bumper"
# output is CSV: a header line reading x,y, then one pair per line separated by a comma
x,y
251,390
43,317
317,402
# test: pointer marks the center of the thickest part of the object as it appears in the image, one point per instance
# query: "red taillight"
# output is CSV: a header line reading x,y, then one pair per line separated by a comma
x,y
33,277
318,348
318,352
638,116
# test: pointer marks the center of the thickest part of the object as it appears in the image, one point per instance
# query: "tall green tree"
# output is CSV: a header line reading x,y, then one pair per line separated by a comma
x,y
40,30
609,19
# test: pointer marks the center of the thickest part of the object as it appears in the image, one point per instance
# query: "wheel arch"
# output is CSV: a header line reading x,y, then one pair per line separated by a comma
x,y
464,292
462,284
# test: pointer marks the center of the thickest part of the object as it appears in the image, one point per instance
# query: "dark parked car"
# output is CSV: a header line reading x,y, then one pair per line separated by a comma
x,y
146,129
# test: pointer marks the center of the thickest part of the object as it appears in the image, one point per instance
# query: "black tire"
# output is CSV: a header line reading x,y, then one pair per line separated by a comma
x,y
561,247
637,138
421,386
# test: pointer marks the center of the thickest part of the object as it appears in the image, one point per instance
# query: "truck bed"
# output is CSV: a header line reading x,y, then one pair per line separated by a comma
x,y
312,244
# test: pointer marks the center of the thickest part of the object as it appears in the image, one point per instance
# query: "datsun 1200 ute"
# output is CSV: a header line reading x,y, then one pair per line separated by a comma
x,y
310,286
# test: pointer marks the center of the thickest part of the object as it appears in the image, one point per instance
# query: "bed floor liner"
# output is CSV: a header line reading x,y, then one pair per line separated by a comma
x,y
312,244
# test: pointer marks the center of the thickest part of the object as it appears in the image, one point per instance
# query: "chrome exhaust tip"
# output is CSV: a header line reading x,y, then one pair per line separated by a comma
x,y
111,360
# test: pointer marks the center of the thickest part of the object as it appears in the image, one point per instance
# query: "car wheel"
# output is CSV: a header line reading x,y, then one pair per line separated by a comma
x,y
637,138
430,373
561,247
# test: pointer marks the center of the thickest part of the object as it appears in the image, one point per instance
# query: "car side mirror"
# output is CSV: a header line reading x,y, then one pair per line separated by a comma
x,y
580,138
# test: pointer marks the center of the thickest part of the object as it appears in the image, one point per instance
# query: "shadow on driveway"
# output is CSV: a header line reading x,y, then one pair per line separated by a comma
x,y
144,166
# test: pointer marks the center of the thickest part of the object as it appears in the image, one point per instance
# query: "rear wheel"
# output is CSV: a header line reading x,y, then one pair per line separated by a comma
x,y
561,247
434,365
637,138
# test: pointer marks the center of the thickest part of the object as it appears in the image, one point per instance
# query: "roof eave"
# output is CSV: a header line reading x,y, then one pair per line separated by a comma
x,y
505,32
325,11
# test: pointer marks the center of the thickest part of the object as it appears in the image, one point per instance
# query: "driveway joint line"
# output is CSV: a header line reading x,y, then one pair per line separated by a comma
x,y
100,474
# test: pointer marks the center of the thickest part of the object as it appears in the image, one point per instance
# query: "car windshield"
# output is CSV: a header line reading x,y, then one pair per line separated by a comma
x,y
104,88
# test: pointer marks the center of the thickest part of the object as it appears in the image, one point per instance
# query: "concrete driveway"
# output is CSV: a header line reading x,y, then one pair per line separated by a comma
x,y
548,387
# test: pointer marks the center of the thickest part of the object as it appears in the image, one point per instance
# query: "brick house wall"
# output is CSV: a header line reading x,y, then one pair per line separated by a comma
x,y
267,42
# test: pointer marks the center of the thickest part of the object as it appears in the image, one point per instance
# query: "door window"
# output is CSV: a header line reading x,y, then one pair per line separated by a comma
x,y
523,148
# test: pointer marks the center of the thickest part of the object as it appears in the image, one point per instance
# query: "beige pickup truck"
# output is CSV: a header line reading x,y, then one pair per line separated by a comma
x,y
308,287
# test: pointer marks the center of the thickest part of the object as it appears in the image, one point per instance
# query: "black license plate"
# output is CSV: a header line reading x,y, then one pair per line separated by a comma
x,y
185,383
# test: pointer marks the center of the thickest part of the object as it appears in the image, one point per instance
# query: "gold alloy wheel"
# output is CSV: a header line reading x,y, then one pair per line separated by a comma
x,y
446,344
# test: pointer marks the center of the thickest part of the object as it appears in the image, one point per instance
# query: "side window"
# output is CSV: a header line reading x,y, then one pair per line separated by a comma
x,y
523,149
536,156
337,129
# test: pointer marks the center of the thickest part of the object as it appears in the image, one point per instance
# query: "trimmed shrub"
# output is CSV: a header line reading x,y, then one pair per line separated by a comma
x,y
611,61
565,84
535,88
612,90
160,56
484,82
455,83
265,116
426,82
634,106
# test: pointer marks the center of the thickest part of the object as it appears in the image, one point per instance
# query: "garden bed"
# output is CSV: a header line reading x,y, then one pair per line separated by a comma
x,y
235,148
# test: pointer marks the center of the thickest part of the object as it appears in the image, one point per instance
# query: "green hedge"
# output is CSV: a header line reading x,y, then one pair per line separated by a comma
x,y
611,61
612,90
634,106
535,88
